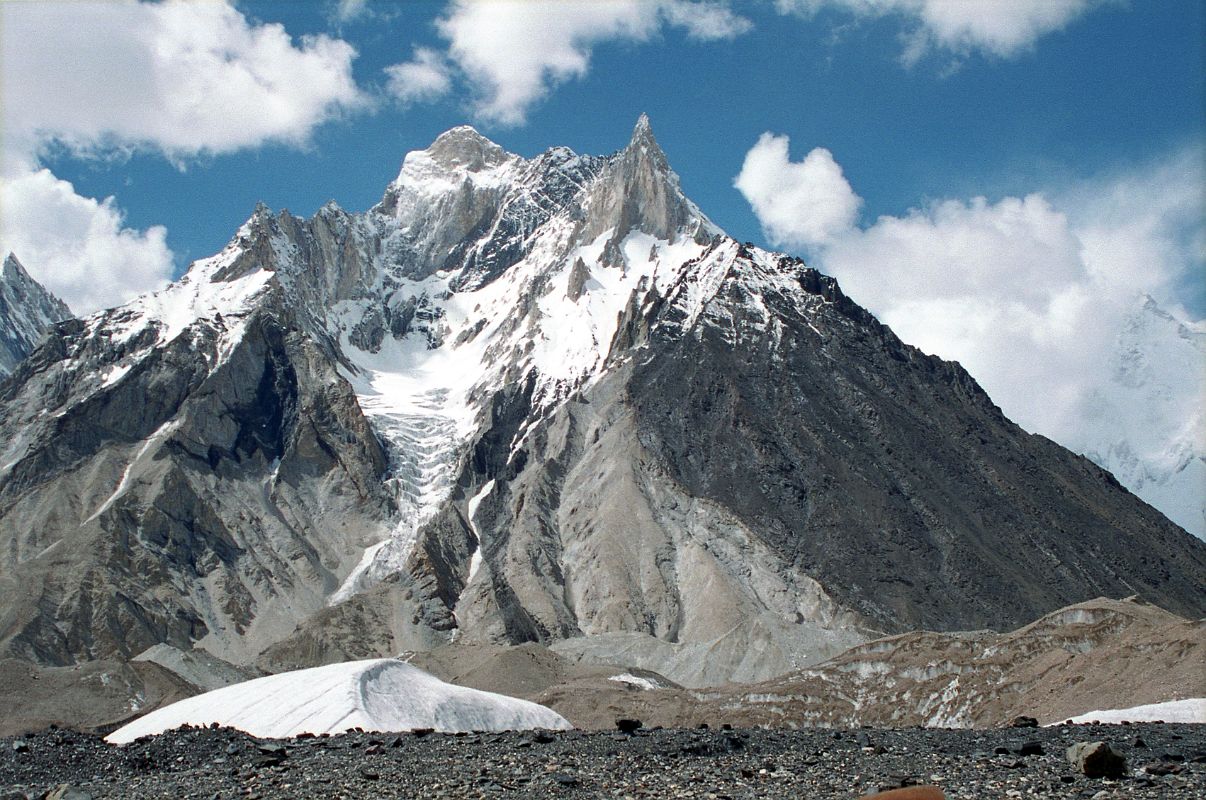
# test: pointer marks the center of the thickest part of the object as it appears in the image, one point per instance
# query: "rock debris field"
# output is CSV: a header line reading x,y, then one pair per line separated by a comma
x,y
1161,760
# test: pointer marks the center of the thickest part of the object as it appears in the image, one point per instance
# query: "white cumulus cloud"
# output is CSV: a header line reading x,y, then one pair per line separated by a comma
x,y
81,247
1001,287
182,78
705,22
349,10
426,77
177,78
513,52
1000,27
800,205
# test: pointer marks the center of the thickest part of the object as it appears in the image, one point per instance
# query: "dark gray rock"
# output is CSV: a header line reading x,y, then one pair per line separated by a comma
x,y
185,501
1096,760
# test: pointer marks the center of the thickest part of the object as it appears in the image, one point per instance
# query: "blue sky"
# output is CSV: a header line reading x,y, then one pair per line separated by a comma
x,y
1118,86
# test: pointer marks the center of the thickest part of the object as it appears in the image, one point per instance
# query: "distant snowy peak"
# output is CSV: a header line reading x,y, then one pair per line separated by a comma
x,y
1147,425
27,310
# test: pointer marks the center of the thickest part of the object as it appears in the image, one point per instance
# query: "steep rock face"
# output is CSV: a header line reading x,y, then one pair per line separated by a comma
x,y
211,488
640,193
887,473
530,400
27,311
765,475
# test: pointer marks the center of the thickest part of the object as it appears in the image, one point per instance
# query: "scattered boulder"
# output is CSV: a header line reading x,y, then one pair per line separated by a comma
x,y
1097,760
1161,768
68,792
1030,748
912,793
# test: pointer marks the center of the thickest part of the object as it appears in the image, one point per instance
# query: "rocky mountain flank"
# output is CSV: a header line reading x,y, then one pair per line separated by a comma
x,y
27,310
530,401
1068,663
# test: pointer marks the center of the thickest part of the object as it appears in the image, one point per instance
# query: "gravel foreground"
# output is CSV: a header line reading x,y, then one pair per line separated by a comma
x,y
1163,761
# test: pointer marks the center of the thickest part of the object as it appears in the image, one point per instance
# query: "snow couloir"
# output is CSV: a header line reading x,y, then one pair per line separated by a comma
x,y
375,695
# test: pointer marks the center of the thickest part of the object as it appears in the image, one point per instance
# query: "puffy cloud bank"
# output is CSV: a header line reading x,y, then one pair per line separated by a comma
x,y
177,78
512,53
999,27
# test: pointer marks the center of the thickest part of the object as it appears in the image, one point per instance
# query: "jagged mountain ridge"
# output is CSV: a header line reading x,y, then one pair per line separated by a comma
x,y
27,310
530,400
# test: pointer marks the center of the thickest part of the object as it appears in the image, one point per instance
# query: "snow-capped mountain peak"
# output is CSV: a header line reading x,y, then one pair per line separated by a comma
x,y
536,399
1147,425
461,148
27,310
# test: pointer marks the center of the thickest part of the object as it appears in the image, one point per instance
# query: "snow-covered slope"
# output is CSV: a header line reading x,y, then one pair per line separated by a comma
x,y
26,311
1148,426
374,695
1190,710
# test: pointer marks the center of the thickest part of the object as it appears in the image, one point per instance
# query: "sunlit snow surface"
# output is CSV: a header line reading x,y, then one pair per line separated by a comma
x,y
426,403
1147,424
1191,710
645,684
375,695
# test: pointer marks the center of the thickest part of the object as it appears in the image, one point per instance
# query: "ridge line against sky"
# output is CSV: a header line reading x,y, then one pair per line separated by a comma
x,y
195,83
1000,182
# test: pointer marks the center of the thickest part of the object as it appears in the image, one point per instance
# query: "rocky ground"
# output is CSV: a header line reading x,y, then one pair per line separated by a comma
x,y
1163,760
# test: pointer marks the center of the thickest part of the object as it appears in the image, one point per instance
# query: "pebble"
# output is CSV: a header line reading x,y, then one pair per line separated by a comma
x,y
688,764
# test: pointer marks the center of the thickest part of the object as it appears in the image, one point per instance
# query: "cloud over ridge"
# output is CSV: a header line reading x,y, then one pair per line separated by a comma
x,y
1047,299
177,78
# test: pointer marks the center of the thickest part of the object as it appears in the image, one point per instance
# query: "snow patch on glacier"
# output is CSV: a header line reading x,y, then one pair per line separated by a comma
x,y
374,695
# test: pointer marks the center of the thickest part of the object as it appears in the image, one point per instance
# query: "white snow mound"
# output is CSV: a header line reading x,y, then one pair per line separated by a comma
x,y
376,695
1190,710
